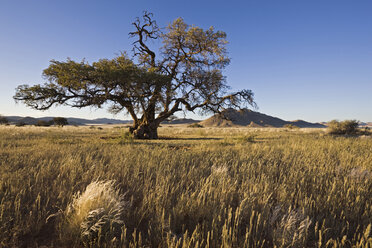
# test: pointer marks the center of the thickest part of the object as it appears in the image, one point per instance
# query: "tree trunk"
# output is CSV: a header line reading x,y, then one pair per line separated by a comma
x,y
145,131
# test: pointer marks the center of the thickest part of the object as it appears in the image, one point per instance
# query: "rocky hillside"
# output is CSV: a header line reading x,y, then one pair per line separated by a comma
x,y
246,117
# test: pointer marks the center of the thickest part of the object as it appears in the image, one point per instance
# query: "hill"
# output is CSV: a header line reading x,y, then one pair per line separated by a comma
x,y
28,120
365,124
181,121
71,120
246,117
80,121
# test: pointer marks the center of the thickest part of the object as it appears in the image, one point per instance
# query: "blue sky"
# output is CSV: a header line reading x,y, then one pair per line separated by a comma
x,y
303,59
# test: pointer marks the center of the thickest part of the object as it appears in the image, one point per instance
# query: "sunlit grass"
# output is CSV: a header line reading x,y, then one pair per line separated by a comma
x,y
204,187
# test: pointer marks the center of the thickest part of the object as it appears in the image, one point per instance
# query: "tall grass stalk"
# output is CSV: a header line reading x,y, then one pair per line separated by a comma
x,y
301,188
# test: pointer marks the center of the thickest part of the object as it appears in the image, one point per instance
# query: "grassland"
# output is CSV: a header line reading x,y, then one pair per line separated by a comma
x,y
195,187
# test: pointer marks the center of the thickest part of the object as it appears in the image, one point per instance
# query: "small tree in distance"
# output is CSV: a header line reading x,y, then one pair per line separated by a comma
x,y
185,74
3,120
343,127
60,121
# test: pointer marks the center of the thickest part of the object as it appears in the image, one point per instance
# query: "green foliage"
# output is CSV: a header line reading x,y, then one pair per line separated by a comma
x,y
185,73
287,189
343,127
60,121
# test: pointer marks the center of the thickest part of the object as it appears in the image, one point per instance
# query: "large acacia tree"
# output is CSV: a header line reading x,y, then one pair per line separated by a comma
x,y
184,74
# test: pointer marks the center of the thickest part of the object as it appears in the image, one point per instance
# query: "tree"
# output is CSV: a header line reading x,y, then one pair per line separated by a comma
x,y
343,127
3,120
60,121
184,74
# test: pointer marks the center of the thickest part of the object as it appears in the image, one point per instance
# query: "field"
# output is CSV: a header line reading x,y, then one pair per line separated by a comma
x,y
194,187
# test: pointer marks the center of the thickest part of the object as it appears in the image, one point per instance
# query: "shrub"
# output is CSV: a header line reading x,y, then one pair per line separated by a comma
x,y
126,138
3,120
195,125
366,131
60,121
41,123
20,124
248,138
343,127
290,126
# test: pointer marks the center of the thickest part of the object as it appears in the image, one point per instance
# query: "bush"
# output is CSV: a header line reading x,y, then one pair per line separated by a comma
x,y
3,120
60,121
42,123
366,131
248,138
195,125
290,126
343,127
20,124
126,138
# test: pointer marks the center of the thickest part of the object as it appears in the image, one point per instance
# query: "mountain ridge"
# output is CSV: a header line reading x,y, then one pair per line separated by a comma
x,y
259,120
71,120
28,120
250,118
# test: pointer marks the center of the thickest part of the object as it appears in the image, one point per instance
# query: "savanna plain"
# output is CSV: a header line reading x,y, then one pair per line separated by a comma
x,y
194,187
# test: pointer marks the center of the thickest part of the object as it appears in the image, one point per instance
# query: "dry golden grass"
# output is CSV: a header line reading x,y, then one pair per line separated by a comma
x,y
205,187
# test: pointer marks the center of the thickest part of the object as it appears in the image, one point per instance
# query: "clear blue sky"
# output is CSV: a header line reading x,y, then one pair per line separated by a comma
x,y
304,59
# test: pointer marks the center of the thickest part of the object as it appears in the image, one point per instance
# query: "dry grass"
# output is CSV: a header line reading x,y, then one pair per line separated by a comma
x,y
207,187
94,211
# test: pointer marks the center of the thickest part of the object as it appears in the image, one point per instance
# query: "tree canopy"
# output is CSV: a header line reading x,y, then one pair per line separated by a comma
x,y
184,74
3,120
60,121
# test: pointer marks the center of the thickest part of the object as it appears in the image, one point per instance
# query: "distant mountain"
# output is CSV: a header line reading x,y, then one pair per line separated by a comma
x,y
111,121
81,121
365,124
13,119
98,121
28,120
229,117
246,117
301,123
181,121
71,120
361,124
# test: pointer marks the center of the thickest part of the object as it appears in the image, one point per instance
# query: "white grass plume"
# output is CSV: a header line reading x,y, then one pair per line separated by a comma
x,y
290,228
97,210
